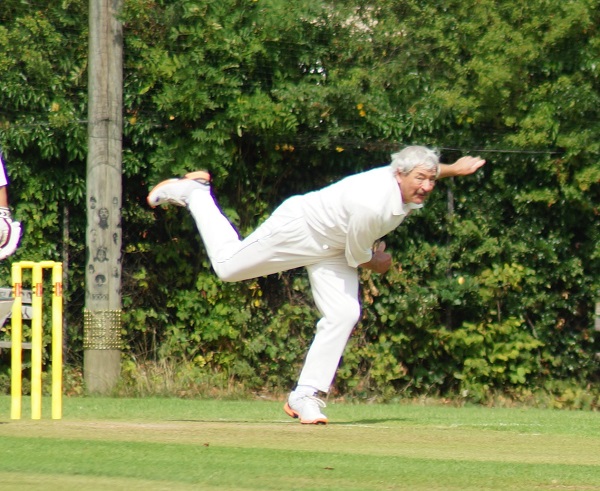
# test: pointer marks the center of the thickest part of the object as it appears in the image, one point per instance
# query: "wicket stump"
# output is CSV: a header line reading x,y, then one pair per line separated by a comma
x,y
36,338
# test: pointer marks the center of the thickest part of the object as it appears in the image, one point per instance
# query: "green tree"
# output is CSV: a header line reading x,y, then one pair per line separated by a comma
x,y
278,98
43,135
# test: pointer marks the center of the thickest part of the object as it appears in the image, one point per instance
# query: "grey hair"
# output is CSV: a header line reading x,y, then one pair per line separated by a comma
x,y
407,159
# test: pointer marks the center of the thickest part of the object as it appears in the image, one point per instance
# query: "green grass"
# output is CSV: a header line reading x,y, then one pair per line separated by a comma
x,y
173,444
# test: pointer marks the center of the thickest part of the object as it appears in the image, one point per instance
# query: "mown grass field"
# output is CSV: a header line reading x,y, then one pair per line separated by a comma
x,y
172,444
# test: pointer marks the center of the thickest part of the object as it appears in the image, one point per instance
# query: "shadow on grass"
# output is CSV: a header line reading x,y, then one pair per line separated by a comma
x,y
360,422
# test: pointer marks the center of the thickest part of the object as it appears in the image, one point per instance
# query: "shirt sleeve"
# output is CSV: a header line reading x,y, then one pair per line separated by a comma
x,y
364,229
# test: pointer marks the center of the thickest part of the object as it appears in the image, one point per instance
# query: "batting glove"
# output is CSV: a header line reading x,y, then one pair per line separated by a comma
x,y
10,234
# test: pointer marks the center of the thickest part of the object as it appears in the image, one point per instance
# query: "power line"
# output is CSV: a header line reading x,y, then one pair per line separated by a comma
x,y
507,151
308,141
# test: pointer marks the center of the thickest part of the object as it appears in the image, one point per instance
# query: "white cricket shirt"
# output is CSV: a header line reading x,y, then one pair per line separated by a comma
x,y
353,213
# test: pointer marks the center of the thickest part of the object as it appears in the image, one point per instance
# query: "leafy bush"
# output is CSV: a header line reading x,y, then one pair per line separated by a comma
x,y
494,280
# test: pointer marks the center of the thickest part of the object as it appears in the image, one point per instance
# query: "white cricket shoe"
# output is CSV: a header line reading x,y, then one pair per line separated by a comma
x,y
177,191
306,408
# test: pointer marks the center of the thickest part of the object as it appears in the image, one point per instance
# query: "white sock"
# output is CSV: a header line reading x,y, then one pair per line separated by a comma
x,y
305,390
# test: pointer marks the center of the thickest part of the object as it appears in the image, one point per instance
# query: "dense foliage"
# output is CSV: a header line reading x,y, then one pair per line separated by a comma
x,y
494,283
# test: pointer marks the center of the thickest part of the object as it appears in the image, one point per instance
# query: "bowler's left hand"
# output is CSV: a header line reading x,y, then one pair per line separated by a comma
x,y
381,261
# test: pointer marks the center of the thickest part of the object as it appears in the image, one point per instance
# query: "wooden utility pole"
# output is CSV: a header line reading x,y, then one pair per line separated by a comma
x,y
102,314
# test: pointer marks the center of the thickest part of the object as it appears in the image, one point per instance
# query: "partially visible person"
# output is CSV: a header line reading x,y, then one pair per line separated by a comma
x,y
10,231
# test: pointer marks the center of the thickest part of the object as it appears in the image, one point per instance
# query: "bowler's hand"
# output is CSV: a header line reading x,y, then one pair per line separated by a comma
x,y
462,167
381,261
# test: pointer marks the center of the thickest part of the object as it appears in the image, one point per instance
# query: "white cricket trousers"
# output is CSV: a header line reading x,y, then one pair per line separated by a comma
x,y
284,241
